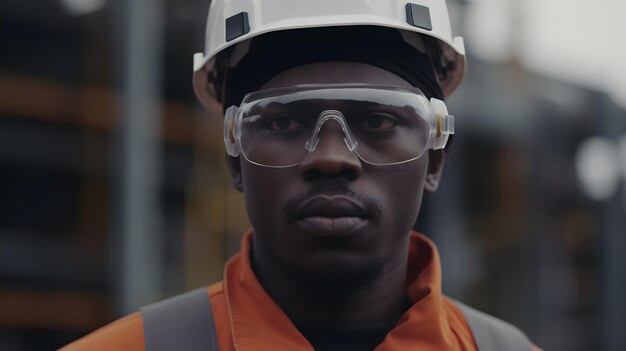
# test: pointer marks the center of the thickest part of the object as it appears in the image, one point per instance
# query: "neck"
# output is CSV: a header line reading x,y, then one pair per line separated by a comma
x,y
310,302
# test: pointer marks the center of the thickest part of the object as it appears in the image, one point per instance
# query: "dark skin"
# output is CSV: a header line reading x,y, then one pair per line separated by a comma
x,y
353,280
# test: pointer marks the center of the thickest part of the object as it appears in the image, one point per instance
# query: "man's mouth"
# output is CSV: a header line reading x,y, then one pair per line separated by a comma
x,y
332,215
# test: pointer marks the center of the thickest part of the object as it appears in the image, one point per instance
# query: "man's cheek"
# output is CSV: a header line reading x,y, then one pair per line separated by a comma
x,y
402,198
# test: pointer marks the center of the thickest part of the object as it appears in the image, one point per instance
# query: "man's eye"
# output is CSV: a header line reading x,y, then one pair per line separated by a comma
x,y
377,122
284,123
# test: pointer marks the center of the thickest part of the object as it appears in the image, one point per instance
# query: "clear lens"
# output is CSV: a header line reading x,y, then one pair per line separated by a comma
x,y
383,125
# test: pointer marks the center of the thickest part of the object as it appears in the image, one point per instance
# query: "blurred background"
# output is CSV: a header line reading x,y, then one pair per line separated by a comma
x,y
114,194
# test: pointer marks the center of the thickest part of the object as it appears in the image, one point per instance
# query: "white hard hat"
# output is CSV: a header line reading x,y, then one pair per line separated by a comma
x,y
236,21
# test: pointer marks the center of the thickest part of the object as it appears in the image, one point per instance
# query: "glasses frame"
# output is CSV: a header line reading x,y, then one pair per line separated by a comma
x,y
440,122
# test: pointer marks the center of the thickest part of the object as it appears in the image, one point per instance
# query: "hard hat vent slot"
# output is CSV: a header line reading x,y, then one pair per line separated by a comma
x,y
237,26
418,16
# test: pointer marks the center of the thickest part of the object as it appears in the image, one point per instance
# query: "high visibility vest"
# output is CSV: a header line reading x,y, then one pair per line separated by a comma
x,y
182,322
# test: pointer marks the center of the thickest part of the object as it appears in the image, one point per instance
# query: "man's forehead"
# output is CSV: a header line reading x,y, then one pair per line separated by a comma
x,y
335,72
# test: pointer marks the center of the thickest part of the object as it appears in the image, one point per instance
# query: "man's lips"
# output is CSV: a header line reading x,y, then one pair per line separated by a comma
x,y
332,206
331,215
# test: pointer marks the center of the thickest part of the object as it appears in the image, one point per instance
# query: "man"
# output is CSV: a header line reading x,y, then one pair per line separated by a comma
x,y
334,128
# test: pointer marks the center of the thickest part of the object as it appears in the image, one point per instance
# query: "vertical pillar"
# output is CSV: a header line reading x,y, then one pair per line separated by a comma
x,y
140,236
613,245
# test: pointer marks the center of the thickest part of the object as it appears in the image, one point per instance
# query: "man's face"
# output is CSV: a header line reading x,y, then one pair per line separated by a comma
x,y
334,215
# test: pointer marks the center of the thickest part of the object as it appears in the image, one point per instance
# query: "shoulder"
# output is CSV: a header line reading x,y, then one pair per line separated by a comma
x,y
123,334
491,333
127,333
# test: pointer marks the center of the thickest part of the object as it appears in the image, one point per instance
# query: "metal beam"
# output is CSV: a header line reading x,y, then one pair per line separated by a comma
x,y
140,230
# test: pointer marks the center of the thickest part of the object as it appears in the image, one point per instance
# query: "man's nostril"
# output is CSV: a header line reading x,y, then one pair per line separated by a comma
x,y
314,174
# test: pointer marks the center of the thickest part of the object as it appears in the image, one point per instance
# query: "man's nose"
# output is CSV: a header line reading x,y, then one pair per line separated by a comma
x,y
331,156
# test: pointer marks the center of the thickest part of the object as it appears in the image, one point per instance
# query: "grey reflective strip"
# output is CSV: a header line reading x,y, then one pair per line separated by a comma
x,y
492,334
184,322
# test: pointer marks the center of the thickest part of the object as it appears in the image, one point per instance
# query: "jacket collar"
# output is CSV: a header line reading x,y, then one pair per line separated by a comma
x,y
258,323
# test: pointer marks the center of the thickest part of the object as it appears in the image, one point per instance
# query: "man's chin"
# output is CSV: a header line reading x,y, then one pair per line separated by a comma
x,y
337,275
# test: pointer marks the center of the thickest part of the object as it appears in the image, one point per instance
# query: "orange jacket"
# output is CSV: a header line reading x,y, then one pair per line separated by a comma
x,y
247,319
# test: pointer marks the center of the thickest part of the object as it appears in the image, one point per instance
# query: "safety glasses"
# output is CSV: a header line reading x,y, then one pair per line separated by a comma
x,y
382,125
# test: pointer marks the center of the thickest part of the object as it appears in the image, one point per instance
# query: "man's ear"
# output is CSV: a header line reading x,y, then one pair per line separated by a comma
x,y
234,169
205,92
436,164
